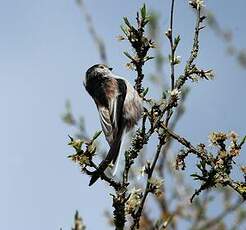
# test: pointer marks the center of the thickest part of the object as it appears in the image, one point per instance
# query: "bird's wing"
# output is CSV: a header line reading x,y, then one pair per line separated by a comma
x,y
111,115
106,123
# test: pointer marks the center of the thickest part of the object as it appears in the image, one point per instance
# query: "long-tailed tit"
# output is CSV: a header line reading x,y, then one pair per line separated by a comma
x,y
119,107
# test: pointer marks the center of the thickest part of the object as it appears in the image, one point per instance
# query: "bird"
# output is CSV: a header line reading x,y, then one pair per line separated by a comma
x,y
119,106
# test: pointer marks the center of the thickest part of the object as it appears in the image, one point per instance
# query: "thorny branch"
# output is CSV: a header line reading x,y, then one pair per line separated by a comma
x,y
140,43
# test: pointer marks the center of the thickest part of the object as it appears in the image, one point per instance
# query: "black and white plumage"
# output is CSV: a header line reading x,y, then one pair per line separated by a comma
x,y
119,107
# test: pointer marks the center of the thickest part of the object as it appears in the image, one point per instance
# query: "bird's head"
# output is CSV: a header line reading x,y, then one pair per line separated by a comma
x,y
100,70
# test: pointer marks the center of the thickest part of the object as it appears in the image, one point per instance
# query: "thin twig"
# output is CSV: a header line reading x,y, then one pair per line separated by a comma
x,y
169,34
188,145
209,160
138,213
172,46
194,52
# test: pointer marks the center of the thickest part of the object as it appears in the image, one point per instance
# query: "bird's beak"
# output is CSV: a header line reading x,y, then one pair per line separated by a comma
x,y
110,69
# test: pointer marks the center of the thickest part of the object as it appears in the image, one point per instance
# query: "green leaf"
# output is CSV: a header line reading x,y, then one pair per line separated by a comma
x,y
71,139
176,60
177,40
145,92
197,177
242,142
92,149
96,135
127,22
143,12
148,58
146,20
76,144
199,166
71,156
170,58
124,30
129,56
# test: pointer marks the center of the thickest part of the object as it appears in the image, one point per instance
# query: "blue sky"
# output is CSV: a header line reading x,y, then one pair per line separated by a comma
x,y
45,50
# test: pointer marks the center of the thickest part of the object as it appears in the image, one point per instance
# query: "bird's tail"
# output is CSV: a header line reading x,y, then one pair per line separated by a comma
x,y
116,160
111,157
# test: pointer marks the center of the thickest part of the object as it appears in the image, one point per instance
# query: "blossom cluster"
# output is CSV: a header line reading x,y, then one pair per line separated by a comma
x,y
133,201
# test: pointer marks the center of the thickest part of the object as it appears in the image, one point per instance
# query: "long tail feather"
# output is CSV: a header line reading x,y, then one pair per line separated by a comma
x,y
111,156
116,160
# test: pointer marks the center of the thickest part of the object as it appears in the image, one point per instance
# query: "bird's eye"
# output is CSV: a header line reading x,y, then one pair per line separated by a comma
x,y
102,67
